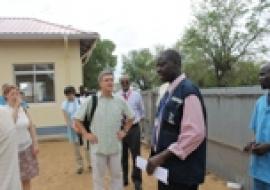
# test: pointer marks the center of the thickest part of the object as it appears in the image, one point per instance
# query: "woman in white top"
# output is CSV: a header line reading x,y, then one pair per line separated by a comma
x,y
26,135
9,165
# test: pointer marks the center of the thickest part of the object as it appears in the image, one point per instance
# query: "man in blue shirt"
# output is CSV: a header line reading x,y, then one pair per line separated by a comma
x,y
260,147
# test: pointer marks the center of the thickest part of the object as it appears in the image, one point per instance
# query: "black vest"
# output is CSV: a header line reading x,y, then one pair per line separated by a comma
x,y
192,169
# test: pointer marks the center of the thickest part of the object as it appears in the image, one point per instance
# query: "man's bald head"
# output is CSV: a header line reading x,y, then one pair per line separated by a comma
x,y
265,76
265,67
125,83
124,77
168,65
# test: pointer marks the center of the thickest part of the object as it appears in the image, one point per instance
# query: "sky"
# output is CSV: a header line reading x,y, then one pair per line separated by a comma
x,y
130,24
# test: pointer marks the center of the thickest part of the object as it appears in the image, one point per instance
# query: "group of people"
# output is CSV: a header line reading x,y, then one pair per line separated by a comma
x,y
113,130
179,131
179,136
108,124
18,141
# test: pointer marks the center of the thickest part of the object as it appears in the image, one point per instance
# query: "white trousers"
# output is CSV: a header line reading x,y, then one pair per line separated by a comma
x,y
100,164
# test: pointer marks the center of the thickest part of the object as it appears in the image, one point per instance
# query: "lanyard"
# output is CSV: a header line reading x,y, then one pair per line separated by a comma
x,y
156,129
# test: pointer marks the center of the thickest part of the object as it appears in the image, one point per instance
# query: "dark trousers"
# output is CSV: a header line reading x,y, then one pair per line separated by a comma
x,y
132,142
162,186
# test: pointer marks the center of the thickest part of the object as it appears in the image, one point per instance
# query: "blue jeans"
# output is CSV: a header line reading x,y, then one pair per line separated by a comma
x,y
260,185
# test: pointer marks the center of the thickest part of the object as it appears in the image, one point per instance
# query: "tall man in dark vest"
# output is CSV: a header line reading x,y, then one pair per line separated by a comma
x,y
179,135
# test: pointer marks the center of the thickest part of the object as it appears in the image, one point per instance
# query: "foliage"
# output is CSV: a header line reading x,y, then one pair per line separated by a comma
x,y
102,57
140,66
225,39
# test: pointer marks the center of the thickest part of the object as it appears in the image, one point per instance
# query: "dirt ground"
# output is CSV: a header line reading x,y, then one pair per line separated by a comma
x,y
57,171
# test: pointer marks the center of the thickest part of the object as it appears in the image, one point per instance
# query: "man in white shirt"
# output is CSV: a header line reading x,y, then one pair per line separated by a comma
x,y
132,140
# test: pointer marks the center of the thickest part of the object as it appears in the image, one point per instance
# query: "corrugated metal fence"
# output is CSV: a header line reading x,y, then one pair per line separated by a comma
x,y
229,111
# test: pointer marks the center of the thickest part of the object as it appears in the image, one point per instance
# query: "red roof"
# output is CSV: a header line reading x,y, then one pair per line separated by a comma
x,y
31,28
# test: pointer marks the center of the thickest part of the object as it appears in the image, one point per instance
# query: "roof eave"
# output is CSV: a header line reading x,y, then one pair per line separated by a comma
x,y
31,36
87,40
87,54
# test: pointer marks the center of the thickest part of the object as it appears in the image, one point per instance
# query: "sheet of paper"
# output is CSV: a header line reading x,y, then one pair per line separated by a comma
x,y
160,173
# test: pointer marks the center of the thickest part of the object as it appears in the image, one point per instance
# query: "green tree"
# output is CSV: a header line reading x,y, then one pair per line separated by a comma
x,y
242,74
140,66
200,74
224,34
102,57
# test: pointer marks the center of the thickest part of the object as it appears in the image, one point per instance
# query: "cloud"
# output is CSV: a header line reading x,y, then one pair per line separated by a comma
x,y
130,24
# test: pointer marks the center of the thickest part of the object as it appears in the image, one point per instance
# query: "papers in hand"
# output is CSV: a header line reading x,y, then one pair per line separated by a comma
x,y
160,173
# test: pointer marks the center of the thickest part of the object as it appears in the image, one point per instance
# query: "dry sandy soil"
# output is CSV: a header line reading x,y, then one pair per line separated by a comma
x,y
57,171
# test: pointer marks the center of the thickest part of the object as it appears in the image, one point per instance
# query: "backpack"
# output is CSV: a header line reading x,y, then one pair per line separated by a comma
x,y
88,118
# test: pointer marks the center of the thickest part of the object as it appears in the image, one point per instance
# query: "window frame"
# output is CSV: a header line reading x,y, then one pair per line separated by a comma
x,y
34,74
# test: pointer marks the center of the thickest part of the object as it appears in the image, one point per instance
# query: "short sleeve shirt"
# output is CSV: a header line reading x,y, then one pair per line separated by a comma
x,y
106,122
70,107
260,124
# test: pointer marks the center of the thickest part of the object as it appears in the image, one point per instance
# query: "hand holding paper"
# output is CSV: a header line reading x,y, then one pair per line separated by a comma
x,y
153,163
160,173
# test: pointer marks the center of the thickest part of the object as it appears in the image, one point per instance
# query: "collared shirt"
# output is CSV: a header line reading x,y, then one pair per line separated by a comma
x,y
161,91
70,108
135,101
106,122
82,99
260,124
192,127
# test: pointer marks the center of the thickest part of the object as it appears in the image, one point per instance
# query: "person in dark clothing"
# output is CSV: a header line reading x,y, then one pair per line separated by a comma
x,y
132,140
179,134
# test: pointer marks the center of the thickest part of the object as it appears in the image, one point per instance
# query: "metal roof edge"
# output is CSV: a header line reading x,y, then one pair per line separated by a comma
x,y
29,36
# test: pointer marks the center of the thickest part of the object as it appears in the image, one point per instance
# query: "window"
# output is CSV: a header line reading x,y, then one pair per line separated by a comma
x,y
36,81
